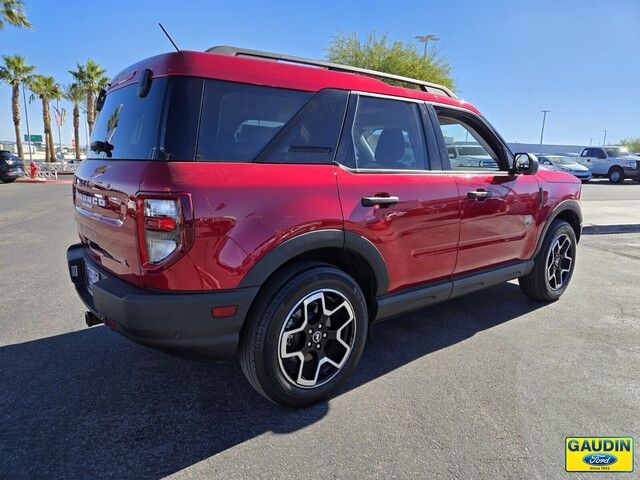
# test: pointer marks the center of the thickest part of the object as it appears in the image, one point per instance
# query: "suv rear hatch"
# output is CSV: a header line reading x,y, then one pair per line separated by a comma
x,y
123,145
105,211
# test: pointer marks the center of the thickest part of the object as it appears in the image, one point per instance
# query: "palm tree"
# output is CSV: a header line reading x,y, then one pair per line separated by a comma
x,y
47,89
76,95
91,77
16,71
12,12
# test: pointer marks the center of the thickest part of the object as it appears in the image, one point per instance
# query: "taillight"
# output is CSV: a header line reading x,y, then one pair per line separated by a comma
x,y
165,227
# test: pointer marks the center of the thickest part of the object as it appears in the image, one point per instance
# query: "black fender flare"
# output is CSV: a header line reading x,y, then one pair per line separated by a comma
x,y
315,240
571,205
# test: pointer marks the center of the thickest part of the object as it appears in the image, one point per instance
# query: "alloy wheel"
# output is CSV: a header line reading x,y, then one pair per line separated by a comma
x,y
559,261
317,338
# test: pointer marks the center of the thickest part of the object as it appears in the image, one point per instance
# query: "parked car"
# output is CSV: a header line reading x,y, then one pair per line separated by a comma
x,y
616,163
470,156
565,164
278,209
11,167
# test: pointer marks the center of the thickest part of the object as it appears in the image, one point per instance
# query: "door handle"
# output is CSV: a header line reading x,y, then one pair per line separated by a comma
x,y
478,194
380,201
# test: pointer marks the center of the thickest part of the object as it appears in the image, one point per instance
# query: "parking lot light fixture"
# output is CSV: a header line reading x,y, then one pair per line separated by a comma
x,y
544,118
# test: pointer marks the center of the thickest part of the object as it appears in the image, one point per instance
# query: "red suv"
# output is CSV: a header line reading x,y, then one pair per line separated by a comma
x,y
273,206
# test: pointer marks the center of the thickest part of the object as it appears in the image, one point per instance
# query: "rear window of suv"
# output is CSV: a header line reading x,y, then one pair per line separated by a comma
x,y
127,125
187,118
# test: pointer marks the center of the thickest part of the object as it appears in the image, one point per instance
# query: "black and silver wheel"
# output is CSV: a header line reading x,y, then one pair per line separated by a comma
x,y
305,335
317,338
616,175
559,263
553,265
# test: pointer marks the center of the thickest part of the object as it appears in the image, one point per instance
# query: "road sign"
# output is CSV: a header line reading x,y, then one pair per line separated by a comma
x,y
33,138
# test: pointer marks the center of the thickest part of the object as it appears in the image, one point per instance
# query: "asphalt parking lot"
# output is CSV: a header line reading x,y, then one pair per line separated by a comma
x,y
486,386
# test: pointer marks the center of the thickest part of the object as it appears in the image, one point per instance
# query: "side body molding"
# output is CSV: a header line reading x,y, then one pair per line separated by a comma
x,y
315,240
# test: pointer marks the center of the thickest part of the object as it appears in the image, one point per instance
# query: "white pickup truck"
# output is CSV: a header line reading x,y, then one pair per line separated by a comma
x,y
614,162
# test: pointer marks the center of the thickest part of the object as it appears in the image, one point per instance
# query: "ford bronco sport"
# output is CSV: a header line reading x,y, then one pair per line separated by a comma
x,y
245,202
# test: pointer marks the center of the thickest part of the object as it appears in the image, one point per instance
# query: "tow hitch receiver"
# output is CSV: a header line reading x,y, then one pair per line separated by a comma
x,y
92,319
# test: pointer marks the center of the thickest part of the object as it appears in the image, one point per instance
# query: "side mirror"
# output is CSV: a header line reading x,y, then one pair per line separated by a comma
x,y
525,164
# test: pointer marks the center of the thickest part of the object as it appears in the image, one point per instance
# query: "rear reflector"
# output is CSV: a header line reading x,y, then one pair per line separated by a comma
x,y
162,224
226,311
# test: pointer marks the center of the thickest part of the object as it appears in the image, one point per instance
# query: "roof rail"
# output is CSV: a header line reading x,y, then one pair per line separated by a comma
x,y
244,52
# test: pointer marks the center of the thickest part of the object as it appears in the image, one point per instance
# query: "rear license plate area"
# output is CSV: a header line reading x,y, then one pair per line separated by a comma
x,y
92,276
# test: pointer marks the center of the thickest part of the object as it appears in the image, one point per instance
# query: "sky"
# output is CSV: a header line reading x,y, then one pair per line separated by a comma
x,y
510,58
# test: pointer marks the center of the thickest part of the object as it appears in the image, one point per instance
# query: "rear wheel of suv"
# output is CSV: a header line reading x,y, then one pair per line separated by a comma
x,y
305,335
616,175
553,266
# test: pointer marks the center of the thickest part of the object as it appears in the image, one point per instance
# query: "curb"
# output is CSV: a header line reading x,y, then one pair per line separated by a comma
x,y
43,180
610,229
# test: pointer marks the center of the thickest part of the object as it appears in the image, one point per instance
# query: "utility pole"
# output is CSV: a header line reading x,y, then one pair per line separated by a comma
x,y
590,141
425,39
604,140
544,119
26,117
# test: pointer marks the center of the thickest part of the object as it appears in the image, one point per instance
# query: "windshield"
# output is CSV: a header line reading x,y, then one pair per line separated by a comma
x,y
563,160
617,151
469,151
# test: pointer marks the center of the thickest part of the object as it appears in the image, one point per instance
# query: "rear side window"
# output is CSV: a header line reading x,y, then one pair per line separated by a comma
x,y
127,125
312,135
237,120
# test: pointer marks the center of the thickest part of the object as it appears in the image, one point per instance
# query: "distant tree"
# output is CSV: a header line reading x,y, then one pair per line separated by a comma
x,y
47,89
91,76
379,53
16,71
12,12
633,144
75,94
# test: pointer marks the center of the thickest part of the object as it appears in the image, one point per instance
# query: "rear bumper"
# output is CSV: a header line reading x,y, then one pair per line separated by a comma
x,y
181,323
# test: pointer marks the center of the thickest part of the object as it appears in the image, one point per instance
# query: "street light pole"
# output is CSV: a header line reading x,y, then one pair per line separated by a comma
x,y
26,117
425,39
604,140
544,119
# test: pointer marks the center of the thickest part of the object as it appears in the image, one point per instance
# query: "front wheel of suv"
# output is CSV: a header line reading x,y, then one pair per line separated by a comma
x,y
553,265
305,334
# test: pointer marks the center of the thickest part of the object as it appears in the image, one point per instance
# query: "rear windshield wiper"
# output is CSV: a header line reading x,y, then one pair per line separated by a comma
x,y
99,146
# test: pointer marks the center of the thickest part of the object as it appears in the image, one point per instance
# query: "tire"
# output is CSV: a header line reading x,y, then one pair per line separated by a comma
x,y
616,175
8,180
276,341
541,283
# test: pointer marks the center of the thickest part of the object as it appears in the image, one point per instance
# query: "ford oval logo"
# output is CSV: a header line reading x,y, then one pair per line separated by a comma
x,y
599,459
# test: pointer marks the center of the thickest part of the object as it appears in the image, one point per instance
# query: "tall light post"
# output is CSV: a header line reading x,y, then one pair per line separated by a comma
x,y
604,140
426,39
544,119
